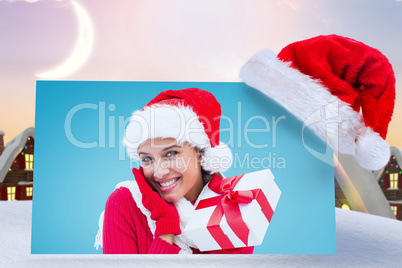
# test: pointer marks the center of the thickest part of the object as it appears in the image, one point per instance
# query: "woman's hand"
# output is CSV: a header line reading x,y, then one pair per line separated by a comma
x,y
167,237
165,214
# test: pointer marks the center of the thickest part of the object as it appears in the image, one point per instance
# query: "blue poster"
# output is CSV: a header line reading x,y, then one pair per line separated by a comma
x,y
80,158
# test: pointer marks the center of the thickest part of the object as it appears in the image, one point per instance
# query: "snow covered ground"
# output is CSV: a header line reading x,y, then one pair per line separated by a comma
x,y
362,240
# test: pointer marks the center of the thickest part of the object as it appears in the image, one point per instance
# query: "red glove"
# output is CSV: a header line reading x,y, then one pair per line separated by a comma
x,y
165,214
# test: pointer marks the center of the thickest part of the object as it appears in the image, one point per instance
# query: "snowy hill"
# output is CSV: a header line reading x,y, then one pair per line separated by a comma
x,y
362,240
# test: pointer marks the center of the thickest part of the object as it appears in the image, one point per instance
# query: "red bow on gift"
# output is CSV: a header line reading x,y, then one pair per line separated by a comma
x,y
227,204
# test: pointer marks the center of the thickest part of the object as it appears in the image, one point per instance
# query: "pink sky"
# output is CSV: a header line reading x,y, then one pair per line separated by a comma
x,y
178,40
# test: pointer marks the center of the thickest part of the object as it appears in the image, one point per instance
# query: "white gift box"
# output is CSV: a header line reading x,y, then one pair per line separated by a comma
x,y
255,217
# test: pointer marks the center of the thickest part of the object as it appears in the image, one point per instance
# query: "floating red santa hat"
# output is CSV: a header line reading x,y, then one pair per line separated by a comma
x,y
189,115
329,79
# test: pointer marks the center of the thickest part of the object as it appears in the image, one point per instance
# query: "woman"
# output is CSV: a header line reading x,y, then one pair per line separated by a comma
x,y
176,137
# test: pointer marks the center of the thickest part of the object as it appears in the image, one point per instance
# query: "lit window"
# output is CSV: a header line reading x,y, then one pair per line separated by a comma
x,y
394,209
345,206
11,193
393,180
29,191
29,161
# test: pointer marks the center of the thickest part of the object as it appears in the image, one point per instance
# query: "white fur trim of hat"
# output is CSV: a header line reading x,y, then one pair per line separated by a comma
x,y
180,123
305,96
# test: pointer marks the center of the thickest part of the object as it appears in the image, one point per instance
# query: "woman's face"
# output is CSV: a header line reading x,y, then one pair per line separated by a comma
x,y
172,170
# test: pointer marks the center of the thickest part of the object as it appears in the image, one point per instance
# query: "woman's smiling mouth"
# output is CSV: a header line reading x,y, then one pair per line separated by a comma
x,y
168,185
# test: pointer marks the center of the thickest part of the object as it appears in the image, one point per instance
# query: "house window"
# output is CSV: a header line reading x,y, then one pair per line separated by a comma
x,y
11,193
29,191
393,180
345,206
29,161
394,209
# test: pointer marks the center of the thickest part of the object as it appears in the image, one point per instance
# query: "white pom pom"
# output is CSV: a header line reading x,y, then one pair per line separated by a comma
x,y
372,151
217,159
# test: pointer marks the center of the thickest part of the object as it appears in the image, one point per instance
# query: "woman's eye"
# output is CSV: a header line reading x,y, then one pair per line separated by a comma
x,y
171,153
146,159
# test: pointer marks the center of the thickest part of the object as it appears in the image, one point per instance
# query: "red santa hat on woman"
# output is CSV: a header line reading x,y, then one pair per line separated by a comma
x,y
189,115
326,80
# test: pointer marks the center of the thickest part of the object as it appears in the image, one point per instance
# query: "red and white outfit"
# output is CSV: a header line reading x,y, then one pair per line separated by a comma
x,y
127,226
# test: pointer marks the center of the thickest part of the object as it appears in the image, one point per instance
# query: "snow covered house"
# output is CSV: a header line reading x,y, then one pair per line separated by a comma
x,y
16,166
357,188
340,199
390,181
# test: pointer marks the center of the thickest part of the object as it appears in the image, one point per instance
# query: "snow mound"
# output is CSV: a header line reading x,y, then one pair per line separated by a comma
x,y
362,240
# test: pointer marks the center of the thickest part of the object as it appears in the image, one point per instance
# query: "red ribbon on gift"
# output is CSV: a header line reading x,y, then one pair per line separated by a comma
x,y
228,204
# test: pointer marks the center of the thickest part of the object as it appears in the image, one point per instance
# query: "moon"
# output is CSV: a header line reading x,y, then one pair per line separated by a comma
x,y
81,50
